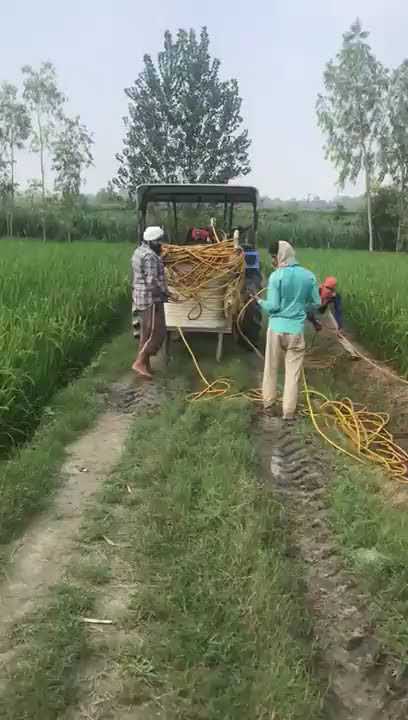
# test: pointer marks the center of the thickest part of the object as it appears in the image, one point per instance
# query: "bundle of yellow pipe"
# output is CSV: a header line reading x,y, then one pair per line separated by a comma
x,y
193,271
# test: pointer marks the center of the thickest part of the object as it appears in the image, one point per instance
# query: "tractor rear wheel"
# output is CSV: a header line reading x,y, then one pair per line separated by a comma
x,y
251,321
251,326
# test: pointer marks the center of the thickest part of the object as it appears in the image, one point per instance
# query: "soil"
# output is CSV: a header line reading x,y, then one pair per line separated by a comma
x,y
362,678
41,556
379,388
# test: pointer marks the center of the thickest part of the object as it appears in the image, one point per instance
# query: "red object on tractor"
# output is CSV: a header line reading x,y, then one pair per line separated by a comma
x,y
200,235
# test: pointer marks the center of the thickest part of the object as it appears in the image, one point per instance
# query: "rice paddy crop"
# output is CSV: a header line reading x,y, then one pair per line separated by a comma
x,y
57,302
375,299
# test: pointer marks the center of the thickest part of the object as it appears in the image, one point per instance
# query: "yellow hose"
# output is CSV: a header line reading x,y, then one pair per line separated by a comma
x,y
365,431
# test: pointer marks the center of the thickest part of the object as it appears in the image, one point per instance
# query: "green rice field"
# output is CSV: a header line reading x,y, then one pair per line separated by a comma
x,y
374,290
58,301
57,304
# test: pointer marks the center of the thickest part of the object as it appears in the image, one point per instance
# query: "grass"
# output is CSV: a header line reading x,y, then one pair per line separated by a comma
x,y
215,611
57,305
375,299
371,531
374,538
219,602
116,223
30,475
373,289
49,647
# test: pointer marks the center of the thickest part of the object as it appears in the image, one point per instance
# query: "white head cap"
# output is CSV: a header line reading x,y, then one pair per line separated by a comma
x,y
153,233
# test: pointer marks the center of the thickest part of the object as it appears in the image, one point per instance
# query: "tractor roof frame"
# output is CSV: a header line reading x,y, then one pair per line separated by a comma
x,y
236,194
228,195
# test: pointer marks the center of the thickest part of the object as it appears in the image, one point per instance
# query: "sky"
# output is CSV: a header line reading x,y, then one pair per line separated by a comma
x,y
276,49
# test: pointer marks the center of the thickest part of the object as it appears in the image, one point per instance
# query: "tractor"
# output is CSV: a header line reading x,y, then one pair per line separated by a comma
x,y
184,208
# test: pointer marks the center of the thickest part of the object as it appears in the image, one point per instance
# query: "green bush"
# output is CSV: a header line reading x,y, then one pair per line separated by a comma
x,y
79,224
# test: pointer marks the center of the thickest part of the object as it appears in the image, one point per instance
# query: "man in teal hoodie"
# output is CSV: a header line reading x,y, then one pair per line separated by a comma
x,y
292,291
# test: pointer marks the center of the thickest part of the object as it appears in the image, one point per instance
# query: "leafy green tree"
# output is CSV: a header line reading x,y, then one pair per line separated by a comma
x,y
184,122
394,144
107,195
352,113
385,209
45,102
15,129
71,156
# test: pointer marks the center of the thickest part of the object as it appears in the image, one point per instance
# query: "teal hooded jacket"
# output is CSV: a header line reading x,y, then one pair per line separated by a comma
x,y
292,292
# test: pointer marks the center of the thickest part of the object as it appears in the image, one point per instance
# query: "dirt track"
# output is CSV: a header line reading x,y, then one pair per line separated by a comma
x,y
362,678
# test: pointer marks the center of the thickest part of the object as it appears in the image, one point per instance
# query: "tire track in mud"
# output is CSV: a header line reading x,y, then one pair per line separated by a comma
x,y
363,679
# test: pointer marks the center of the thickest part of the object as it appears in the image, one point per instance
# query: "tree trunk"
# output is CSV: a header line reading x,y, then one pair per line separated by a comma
x,y
398,243
42,166
369,213
12,192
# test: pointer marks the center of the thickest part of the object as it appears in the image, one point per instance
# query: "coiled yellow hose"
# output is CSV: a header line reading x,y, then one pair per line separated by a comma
x,y
367,440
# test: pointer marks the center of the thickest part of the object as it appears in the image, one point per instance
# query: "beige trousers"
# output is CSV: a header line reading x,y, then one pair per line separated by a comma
x,y
329,324
292,348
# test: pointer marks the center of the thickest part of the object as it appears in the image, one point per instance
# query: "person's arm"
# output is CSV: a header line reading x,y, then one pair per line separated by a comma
x,y
314,297
312,319
151,274
272,303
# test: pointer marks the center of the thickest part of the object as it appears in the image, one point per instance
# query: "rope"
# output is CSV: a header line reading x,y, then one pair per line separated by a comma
x,y
366,431
190,270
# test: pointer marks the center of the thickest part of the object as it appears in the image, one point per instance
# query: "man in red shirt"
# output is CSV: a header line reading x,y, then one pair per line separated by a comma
x,y
329,315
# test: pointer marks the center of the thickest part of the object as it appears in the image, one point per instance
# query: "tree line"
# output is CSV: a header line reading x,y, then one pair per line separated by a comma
x,y
184,124
32,117
363,113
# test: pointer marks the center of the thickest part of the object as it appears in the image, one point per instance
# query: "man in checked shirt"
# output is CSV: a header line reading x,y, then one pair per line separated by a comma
x,y
149,295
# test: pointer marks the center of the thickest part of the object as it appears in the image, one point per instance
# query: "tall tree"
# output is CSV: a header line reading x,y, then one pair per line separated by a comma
x,y
71,156
15,128
394,144
351,113
184,122
45,102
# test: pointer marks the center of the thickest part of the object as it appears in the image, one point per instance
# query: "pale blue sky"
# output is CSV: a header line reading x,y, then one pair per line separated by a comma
x,y
276,49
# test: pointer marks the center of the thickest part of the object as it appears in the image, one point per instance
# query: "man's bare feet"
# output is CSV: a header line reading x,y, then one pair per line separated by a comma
x,y
141,370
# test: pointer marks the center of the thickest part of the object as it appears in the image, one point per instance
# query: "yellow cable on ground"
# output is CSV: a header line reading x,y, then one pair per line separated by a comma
x,y
366,431
217,388
189,271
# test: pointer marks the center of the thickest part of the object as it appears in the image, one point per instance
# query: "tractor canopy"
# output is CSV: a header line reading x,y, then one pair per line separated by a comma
x,y
231,199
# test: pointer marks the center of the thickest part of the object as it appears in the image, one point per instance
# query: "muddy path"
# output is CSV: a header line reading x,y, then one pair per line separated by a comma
x,y
362,677
41,556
